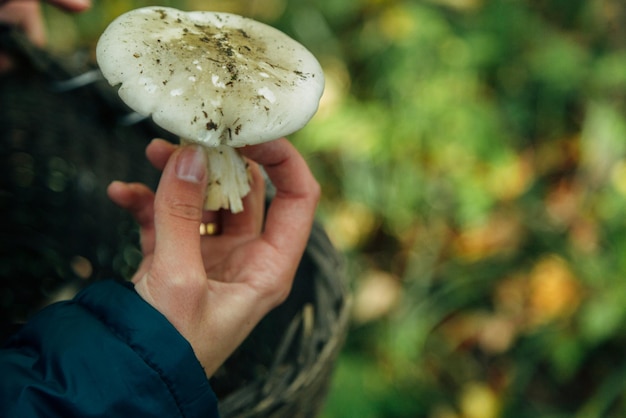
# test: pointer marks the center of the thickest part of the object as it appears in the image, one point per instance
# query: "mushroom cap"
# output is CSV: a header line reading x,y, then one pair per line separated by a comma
x,y
212,78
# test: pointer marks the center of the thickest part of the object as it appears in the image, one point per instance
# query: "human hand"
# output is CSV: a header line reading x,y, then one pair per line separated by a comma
x,y
215,289
26,15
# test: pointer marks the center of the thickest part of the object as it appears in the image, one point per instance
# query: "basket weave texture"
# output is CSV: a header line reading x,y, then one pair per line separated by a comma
x,y
58,152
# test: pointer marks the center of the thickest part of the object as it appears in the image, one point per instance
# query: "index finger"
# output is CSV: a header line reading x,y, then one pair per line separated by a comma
x,y
71,5
291,213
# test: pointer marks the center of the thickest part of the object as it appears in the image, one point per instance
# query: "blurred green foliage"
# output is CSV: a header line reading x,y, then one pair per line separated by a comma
x,y
473,160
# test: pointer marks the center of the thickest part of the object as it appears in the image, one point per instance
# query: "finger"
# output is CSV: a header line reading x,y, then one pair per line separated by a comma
x,y
212,216
138,200
250,220
27,17
71,5
178,210
211,225
159,152
291,213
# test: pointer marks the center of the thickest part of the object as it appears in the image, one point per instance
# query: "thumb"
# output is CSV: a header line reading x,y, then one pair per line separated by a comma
x,y
178,209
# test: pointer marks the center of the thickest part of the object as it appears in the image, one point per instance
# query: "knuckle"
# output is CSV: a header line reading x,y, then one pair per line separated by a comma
x,y
281,295
178,283
276,289
273,295
183,210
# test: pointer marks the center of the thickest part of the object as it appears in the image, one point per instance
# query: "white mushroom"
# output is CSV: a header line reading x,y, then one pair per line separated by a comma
x,y
215,79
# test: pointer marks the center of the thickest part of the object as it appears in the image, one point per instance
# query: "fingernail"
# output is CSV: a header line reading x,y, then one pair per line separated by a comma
x,y
191,164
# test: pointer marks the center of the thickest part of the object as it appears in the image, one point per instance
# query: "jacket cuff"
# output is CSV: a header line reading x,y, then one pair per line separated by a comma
x,y
155,340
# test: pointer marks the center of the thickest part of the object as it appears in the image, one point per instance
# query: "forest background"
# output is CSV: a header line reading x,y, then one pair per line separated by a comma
x,y
472,155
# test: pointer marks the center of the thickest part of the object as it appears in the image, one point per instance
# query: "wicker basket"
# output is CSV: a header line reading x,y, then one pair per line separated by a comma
x,y
59,149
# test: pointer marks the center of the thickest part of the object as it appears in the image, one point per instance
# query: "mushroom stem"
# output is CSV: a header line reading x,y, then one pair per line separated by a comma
x,y
228,177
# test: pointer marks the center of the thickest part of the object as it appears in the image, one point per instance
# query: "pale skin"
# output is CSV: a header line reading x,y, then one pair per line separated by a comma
x,y
213,289
26,15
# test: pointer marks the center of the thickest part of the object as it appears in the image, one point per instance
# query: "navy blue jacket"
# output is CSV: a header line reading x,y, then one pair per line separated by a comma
x,y
107,353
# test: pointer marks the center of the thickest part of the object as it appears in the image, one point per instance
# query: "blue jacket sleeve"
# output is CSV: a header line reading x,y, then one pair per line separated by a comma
x,y
107,353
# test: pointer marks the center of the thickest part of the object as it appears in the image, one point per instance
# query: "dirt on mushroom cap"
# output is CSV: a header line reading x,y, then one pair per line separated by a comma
x,y
211,77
